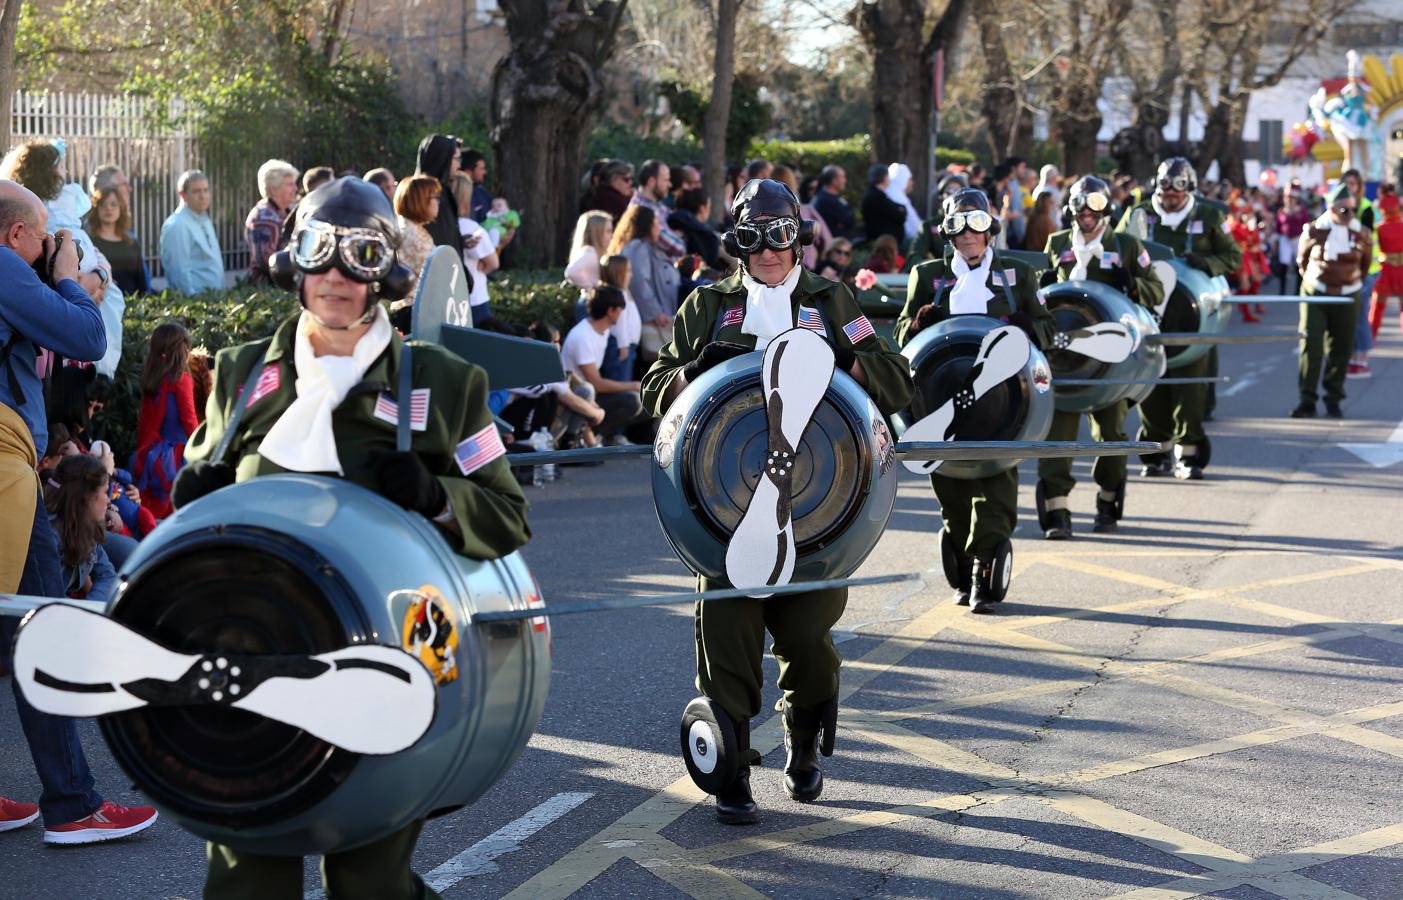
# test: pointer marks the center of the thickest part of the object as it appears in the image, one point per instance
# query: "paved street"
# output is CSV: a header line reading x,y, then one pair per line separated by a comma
x,y
1205,704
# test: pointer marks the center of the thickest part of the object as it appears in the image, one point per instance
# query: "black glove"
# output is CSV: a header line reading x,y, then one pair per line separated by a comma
x,y
1125,281
713,354
1022,320
925,318
1198,262
198,478
405,479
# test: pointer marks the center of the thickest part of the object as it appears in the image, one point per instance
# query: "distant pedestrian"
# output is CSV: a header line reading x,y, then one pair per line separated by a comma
x,y
190,253
263,226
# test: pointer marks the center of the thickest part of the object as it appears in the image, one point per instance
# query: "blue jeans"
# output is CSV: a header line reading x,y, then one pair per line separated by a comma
x,y
68,791
1363,334
481,311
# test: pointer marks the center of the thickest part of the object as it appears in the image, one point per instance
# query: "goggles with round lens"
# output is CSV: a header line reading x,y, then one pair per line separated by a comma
x,y
362,253
778,234
974,219
1096,202
1177,183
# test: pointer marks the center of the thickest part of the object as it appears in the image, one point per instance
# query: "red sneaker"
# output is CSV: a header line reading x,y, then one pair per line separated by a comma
x,y
16,815
107,824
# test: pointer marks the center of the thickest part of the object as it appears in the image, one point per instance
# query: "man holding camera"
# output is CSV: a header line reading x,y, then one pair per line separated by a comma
x,y
42,305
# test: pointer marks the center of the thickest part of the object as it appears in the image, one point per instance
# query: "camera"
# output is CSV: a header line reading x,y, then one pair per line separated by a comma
x,y
44,265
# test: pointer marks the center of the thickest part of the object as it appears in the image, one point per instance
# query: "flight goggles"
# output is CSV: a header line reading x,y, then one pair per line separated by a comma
x,y
1095,201
778,234
363,254
1177,183
973,219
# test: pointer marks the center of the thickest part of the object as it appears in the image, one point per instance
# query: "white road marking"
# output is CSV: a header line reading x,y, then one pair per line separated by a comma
x,y
1380,456
478,859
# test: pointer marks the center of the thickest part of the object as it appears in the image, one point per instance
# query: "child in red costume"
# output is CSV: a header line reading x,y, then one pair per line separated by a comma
x,y
167,417
1253,271
1390,244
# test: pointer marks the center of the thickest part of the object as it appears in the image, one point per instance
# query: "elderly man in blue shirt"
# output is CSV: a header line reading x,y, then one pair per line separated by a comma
x,y
189,247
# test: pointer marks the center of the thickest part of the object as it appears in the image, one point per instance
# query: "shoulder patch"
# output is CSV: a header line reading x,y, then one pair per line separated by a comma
x,y
479,450
809,318
859,329
1143,259
1227,228
387,410
733,315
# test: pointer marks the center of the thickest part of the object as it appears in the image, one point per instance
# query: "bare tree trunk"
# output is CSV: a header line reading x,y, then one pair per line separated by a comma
x,y
1005,116
545,93
336,21
718,111
9,24
903,60
1079,145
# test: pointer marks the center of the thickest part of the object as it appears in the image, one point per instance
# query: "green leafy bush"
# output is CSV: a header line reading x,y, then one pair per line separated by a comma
x,y
523,296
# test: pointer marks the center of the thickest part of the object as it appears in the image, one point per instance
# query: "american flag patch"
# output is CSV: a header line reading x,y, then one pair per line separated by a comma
x,y
387,410
808,318
733,316
1227,227
1196,226
1143,259
268,381
479,450
859,329
1042,297
1010,276
1110,258
1067,256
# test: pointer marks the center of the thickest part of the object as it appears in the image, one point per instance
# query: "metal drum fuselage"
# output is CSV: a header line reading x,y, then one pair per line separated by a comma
x,y
1198,304
710,453
304,564
1018,409
1080,304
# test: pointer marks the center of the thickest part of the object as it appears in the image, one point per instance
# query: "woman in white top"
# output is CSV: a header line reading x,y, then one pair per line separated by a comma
x,y
593,232
479,252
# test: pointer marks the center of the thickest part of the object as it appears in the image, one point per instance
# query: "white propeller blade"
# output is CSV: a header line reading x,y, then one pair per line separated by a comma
x,y
1167,277
795,374
1002,355
366,698
1107,342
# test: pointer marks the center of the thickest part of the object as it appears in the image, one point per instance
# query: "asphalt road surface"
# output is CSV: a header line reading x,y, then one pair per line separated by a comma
x,y
1205,704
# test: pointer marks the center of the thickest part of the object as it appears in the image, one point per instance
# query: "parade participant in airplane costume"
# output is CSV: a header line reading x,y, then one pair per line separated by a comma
x,y
1088,250
1199,233
809,327
314,400
975,279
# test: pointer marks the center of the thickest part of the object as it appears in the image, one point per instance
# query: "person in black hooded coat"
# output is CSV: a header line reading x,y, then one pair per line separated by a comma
x,y
439,156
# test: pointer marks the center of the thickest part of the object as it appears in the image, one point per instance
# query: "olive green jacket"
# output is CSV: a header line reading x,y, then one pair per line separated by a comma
x,y
1124,251
488,503
1205,232
932,282
696,325
926,245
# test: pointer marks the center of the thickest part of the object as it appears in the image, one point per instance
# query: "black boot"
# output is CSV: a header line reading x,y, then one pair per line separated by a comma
x,y
1059,525
984,595
735,805
802,777
966,585
1106,516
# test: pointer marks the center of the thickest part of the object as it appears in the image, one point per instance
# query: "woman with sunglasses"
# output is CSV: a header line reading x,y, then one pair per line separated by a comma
x,y
317,397
1089,250
975,279
1198,231
1334,258
771,294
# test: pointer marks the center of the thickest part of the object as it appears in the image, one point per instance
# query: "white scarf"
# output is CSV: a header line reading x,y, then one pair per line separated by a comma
x,y
1085,251
898,177
302,440
768,312
971,293
1172,219
1338,241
